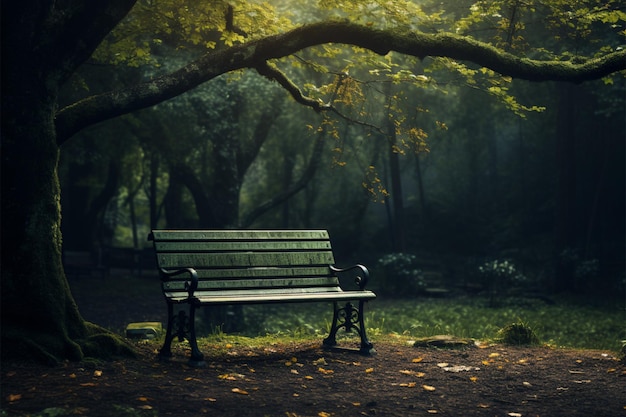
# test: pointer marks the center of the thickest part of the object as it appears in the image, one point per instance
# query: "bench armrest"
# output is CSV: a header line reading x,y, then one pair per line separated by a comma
x,y
190,286
361,278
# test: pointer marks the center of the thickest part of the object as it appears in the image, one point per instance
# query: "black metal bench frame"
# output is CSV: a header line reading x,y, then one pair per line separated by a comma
x,y
229,267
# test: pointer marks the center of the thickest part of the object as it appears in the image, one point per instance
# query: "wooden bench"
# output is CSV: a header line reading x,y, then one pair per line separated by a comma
x,y
227,267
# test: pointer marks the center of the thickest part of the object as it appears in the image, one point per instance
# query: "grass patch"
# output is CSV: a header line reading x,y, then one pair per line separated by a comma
x,y
564,323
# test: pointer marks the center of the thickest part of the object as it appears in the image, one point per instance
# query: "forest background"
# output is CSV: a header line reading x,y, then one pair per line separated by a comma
x,y
453,165
414,141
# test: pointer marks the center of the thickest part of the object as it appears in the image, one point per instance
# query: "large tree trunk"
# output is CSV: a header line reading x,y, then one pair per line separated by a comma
x,y
565,219
40,319
39,315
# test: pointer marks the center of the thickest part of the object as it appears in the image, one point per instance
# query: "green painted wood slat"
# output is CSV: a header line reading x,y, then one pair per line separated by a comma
x,y
228,246
273,297
191,235
259,272
237,259
288,283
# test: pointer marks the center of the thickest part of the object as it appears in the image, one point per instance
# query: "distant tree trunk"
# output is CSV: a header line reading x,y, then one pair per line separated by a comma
x,y
398,221
172,203
75,200
398,225
208,218
300,184
289,164
565,224
420,189
94,217
83,215
153,189
226,184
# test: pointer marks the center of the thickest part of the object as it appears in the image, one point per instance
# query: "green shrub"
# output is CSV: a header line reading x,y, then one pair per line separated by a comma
x,y
518,333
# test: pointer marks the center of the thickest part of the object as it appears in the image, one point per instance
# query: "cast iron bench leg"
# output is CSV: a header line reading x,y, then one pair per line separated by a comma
x,y
331,340
166,351
349,318
366,346
197,358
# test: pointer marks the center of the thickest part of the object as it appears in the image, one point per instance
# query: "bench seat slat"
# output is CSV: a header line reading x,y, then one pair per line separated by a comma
x,y
191,235
243,259
271,296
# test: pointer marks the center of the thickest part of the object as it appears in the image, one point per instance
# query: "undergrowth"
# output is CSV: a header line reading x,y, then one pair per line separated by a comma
x,y
560,324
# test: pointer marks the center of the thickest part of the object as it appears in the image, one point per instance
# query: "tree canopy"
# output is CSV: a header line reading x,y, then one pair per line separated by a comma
x,y
257,54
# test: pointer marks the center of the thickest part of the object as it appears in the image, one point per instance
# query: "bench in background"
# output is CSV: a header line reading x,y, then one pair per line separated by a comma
x,y
228,267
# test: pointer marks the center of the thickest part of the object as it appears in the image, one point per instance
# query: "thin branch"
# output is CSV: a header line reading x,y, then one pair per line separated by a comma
x,y
272,72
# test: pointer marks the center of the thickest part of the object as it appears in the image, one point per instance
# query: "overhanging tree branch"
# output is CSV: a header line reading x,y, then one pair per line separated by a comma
x,y
255,54
271,72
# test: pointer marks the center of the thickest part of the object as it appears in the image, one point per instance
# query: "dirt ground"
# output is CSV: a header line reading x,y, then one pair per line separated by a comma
x,y
305,380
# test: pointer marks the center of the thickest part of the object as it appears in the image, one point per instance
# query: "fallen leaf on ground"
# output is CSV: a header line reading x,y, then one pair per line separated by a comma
x,y
417,360
14,397
97,373
239,391
412,373
429,387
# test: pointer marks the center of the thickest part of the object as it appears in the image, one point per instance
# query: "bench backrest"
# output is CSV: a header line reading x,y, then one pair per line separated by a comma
x,y
240,261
